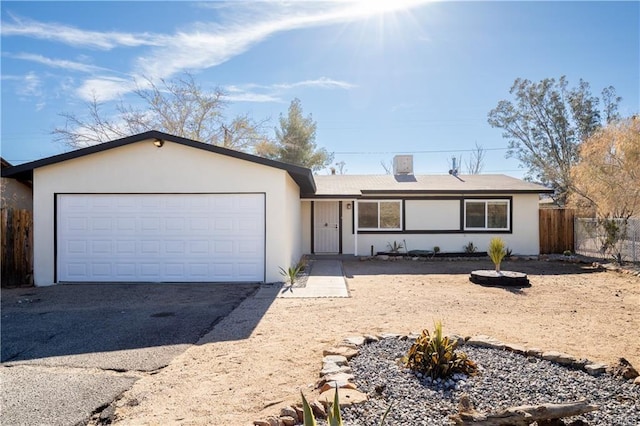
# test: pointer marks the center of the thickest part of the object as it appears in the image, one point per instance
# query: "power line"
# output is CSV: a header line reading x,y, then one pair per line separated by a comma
x,y
414,152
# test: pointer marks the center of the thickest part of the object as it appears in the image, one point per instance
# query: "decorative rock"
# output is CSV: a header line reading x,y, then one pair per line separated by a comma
x,y
288,420
513,347
331,368
338,377
390,336
457,338
370,338
261,423
624,369
636,381
345,396
345,351
559,357
289,412
355,340
332,384
318,409
273,421
595,369
485,342
335,359
534,352
299,412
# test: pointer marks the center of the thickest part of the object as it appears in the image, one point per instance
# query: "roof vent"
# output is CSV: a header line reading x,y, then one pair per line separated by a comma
x,y
403,165
454,167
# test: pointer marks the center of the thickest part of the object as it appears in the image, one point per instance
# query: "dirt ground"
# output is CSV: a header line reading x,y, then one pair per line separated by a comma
x,y
260,357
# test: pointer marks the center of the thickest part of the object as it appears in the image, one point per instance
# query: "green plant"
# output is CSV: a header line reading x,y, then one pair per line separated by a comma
x,y
436,249
395,247
508,252
435,355
291,273
497,251
470,248
333,414
566,253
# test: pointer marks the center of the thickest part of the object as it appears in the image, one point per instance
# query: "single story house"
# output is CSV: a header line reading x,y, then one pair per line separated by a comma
x,y
155,207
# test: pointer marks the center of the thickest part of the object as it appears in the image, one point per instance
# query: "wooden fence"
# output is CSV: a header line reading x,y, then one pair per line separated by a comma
x,y
16,251
556,230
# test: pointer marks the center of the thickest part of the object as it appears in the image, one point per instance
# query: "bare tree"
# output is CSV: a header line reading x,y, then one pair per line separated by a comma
x,y
179,107
607,179
475,164
341,167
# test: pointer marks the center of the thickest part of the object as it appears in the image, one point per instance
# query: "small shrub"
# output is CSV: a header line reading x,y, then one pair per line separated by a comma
x,y
435,355
436,249
470,248
567,253
497,251
508,252
291,273
395,247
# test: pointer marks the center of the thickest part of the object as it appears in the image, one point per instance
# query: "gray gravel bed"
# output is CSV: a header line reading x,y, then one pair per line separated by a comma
x,y
505,379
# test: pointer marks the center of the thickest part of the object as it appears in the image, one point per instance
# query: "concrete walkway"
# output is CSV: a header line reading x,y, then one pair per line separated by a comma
x,y
326,279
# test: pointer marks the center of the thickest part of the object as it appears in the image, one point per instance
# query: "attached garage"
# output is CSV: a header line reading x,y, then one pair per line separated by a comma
x,y
155,207
160,237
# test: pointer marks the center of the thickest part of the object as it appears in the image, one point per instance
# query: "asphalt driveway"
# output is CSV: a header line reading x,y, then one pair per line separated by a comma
x,y
69,350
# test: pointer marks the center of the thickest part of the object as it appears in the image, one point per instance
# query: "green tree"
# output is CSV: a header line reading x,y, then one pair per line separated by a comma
x,y
545,124
295,141
179,107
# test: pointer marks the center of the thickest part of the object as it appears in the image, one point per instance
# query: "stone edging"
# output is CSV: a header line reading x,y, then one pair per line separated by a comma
x,y
336,372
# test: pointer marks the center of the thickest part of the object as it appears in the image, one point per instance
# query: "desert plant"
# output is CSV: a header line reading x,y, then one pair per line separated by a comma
x,y
395,247
470,247
497,251
291,273
566,253
508,252
436,356
333,414
436,249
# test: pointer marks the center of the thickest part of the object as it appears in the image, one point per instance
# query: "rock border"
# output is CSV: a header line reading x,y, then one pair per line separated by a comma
x,y
335,374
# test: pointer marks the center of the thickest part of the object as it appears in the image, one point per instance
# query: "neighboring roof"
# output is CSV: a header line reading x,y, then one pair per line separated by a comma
x,y
4,163
368,185
301,175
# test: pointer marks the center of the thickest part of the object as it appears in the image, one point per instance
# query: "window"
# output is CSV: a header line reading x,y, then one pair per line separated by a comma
x,y
380,215
486,215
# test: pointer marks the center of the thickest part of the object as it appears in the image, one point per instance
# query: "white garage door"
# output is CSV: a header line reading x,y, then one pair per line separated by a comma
x,y
160,237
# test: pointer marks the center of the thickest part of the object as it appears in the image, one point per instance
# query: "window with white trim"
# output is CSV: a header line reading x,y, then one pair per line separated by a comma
x,y
487,215
380,215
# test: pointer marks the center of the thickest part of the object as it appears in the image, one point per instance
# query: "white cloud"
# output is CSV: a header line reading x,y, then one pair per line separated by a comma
x,y
57,63
104,88
202,45
252,92
31,85
77,37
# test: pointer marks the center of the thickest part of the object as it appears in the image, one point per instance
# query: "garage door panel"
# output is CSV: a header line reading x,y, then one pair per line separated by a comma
x,y
160,237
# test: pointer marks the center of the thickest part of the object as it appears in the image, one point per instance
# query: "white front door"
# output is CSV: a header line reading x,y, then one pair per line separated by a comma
x,y
326,225
160,237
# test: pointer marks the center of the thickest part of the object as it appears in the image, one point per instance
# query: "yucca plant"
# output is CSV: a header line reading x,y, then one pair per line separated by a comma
x,y
291,273
436,356
497,251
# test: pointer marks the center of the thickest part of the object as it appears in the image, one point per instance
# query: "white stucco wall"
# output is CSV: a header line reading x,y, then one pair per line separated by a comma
x,y
432,214
305,218
142,168
523,240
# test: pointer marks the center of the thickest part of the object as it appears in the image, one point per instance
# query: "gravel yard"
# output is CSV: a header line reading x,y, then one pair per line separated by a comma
x,y
226,380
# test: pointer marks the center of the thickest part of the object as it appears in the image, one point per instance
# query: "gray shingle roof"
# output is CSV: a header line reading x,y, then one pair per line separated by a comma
x,y
359,185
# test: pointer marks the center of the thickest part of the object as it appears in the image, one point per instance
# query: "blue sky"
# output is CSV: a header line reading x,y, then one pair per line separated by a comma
x,y
380,78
